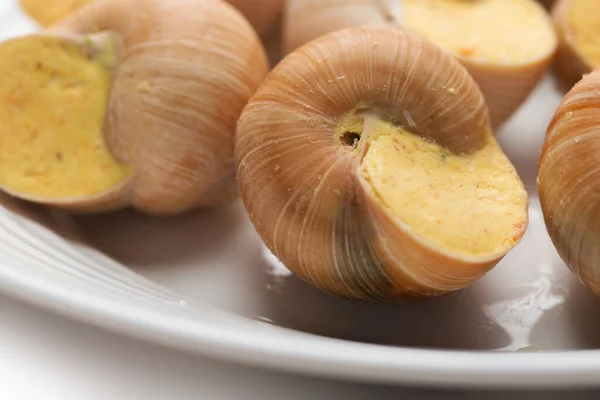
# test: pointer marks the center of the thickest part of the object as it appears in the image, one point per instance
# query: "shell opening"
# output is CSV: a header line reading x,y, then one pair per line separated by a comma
x,y
356,131
350,139
54,94
351,129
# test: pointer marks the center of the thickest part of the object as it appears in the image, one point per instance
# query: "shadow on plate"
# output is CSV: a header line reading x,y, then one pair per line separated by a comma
x,y
216,257
456,321
146,241
53,220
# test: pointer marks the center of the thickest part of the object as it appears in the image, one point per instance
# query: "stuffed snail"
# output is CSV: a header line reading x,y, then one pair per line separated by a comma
x,y
578,26
128,103
506,45
260,13
568,180
367,164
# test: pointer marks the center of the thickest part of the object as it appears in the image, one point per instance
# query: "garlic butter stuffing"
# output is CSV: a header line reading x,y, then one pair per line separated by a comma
x,y
578,26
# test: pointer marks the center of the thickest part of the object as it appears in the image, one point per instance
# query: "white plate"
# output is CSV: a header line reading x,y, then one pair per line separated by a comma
x,y
204,283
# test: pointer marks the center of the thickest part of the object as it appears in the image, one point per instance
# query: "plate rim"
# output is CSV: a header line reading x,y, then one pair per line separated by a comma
x,y
368,363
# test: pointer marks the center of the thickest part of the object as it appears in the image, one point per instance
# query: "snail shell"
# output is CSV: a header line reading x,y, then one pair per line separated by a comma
x,y
186,70
568,183
317,143
506,46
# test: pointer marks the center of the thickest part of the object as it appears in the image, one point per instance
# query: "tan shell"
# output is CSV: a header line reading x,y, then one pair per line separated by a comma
x,y
198,62
304,192
570,65
569,184
505,87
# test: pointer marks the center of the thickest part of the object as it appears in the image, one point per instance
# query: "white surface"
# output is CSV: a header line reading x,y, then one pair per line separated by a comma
x,y
204,284
46,357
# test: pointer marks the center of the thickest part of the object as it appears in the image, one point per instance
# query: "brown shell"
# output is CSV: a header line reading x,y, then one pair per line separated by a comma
x,y
569,184
505,87
187,70
303,190
570,66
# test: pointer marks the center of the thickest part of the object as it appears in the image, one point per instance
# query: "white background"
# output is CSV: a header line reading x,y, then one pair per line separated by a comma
x,y
44,356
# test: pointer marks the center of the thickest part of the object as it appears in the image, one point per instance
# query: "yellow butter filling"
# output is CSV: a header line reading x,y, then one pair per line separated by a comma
x,y
502,31
472,204
584,21
53,101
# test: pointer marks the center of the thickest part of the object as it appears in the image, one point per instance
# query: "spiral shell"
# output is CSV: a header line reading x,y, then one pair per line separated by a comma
x,y
568,183
302,184
506,45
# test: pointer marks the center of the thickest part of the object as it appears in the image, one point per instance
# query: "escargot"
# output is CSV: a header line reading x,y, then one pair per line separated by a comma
x,y
506,45
367,164
128,102
568,183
